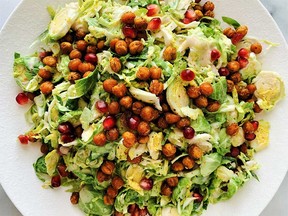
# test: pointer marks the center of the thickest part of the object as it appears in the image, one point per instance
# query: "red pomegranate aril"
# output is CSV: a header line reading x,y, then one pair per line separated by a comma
x,y
243,53
24,139
42,55
67,138
186,21
198,197
250,136
223,71
215,54
133,122
243,62
191,15
132,208
22,99
129,32
154,24
146,184
187,75
62,170
234,152
102,106
65,128
109,122
188,132
237,37
91,58
255,124
56,181
153,9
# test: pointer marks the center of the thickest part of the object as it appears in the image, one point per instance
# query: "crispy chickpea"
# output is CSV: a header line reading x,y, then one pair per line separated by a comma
x,y
206,89
244,94
229,32
126,102
136,47
80,33
209,14
74,76
115,64
230,86
101,177
74,64
248,127
81,45
86,74
198,6
232,129
251,88
112,134
46,87
193,92
100,45
243,30
129,139
114,108
128,18
135,160
199,14
184,122
140,23
162,123
208,6
99,139
78,131
147,113
116,213
49,61
172,181
256,48
108,200
143,128
117,182
67,38
177,166
155,73
113,43
91,49
119,90
188,162
137,107
108,84
112,192
195,152
44,74
75,54
66,47
128,40
233,66
169,150
201,101
156,87
172,118
236,77
166,190
165,107
84,67
121,47
213,106
257,108
143,139
143,73
170,53
108,167
74,198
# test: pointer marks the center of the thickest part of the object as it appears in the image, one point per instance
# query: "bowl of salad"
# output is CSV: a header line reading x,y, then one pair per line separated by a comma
x,y
143,108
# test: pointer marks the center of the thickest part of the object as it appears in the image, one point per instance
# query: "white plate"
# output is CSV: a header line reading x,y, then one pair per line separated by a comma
x,y
16,172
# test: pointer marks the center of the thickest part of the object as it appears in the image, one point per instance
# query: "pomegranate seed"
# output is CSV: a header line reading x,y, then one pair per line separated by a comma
x,y
109,122
56,181
146,184
244,148
237,37
133,122
186,21
22,98
255,125
188,132
143,212
187,75
244,53
65,128
42,55
154,24
62,170
191,15
102,106
67,138
153,10
223,71
234,152
243,62
91,58
129,32
198,197
250,136
24,139
215,54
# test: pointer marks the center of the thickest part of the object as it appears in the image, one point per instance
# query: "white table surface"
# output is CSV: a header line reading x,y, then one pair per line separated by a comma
x,y
278,205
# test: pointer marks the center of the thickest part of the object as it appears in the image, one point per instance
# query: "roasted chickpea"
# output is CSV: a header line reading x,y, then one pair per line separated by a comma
x,y
243,30
115,64
147,113
169,150
86,74
233,66
165,107
135,160
114,108
50,61
188,162
108,167
129,139
100,45
206,89
209,14
44,74
78,131
74,64
74,198
143,139
99,139
143,73
128,40
248,127
232,129
84,67
140,23
201,101
119,90
67,38
113,43
81,45
108,84
199,14
155,73
136,47
172,181
75,54
257,108
80,33
112,192
137,107
112,134
74,76
236,77
244,94
244,148
156,87
46,87
230,86
116,213
101,177
66,47
162,123
213,106
198,6
172,118
121,47
208,6
117,182
143,128
256,48
251,88
166,190
195,152
229,32
177,166
126,102
184,122
170,53
108,200
128,18
91,49
193,92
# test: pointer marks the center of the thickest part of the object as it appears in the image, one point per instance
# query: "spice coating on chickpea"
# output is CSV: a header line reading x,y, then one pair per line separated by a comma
x,y
114,108
166,190
119,90
66,47
236,77
169,150
72,76
172,181
213,106
99,139
209,14
156,87
113,43
199,14
155,73
184,122
74,198
50,61
188,162
177,166
100,45
112,134
108,200
126,102
143,128
233,66
208,6
195,152
44,74
101,177
135,160
140,23
46,87
248,127
112,192
75,54
162,123
232,129
143,73
229,32
128,17
129,139
172,118
121,47
193,92
143,139
201,101
115,64
230,86
170,54
108,167
84,67
80,33
91,49
81,45
74,64
256,48
117,182
136,47
251,88
147,113
206,89
109,84
243,30
137,107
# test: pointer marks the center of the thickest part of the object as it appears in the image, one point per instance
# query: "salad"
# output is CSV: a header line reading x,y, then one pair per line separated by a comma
x,y
146,107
